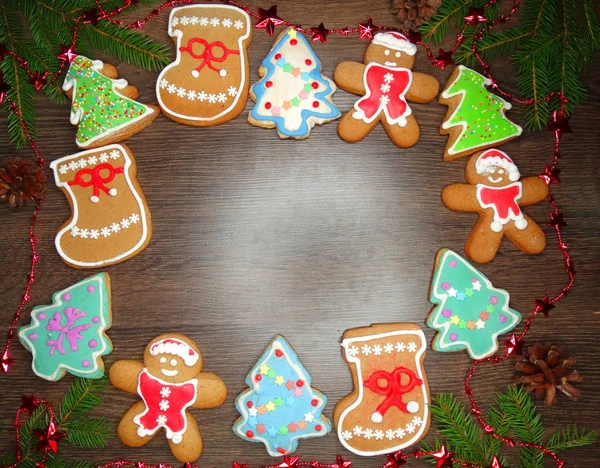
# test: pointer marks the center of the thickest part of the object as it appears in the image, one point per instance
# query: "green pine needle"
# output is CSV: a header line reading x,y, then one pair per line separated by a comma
x,y
570,437
80,398
88,432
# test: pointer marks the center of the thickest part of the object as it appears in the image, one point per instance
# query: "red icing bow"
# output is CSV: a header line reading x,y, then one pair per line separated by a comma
x,y
393,390
207,55
96,180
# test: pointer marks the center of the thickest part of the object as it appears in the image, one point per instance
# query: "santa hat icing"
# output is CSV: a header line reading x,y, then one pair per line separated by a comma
x,y
396,41
176,348
494,157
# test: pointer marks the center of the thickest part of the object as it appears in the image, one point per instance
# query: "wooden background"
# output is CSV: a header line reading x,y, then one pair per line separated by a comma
x,y
255,236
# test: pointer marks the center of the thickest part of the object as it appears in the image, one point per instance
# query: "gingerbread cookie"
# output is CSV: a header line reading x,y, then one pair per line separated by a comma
x,y
293,95
388,410
103,107
476,118
169,381
386,82
208,82
70,335
496,191
470,313
280,407
110,221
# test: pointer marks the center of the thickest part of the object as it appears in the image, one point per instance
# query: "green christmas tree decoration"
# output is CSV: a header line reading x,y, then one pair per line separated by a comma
x,y
470,313
478,116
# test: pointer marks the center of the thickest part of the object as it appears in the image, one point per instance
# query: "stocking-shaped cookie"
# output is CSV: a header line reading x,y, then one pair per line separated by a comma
x,y
388,409
169,381
496,191
386,82
110,221
208,82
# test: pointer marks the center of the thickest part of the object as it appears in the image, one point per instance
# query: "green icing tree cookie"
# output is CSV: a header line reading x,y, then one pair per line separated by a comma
x,y
102,114
475,118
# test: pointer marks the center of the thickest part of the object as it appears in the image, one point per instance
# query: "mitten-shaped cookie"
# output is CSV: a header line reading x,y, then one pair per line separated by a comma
x,y
169,381
496,191
103,107
388,409
110,221
208,82
386,82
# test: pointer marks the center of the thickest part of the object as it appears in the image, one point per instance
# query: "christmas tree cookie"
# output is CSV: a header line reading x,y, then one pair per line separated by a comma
x,y
280,407
476,118
470,313
103,107
293,95
70,335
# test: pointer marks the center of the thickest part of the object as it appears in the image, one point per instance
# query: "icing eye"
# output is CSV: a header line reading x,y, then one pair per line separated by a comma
x,y
501,171
397,54
163,360
173,362
387,52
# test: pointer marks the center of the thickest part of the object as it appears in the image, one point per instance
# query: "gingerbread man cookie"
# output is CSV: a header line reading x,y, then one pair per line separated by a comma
x,y
169,381
496,191
208,82
386,82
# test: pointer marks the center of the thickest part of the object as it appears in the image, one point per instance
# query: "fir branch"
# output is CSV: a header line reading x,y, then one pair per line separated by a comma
x,y
493,45
570,437
80,399
435,29
88,432
21,94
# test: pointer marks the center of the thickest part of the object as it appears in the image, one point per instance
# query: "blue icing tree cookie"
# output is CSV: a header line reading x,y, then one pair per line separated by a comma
x,y
280,407
470,312
69,335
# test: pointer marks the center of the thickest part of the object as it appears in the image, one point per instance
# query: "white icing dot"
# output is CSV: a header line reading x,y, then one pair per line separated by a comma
x,y
195,73
94,199
412,406
223,72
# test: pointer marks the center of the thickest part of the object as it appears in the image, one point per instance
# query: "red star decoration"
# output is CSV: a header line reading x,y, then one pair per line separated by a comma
x,y
90,17
320,33
237,465
29,403
341,463
395,460
38,79
4,88
444,458
514,346
496,463
48,438
268,20
556,219
475,16
550,175
559,124
366,29
5,361
289,462
444,59
414,36
67,53
544,305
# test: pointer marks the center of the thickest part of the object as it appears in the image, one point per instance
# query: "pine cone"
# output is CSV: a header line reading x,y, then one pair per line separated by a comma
x,y
21,181
545,371
413,13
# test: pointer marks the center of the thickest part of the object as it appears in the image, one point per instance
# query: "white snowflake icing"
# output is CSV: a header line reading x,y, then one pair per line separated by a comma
x,y
114,154
388,77
378,434
184,20
385,100
94,234
114,227
390,434
103,157
366,350
73,165
388,348
221,97
226,23
353,351
163,83
171,88
193,20
202,96
232,90
134,218
105,232
175,21
63,169
165,392
358,430
125,223
191,95
212,98
412,347
346,435
238,24
84,233
377,349
204,21
368,433
400,433
83,163
385,88
163,405
181,91
92,160
417,421
75,231
410,428
161,419
400,347
214,21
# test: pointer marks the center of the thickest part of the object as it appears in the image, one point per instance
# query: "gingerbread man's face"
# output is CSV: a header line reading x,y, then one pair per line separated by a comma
x,y
173,358
388,56
493,168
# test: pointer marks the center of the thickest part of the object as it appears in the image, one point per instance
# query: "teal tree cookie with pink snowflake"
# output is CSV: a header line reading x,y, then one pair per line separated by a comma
x,y
280,407
470,313
70,335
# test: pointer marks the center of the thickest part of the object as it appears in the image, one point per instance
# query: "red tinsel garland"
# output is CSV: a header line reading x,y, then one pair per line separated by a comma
x,y
269,20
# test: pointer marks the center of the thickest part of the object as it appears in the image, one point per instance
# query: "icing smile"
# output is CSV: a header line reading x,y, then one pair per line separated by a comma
x,y
495,180
390,64
169,373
